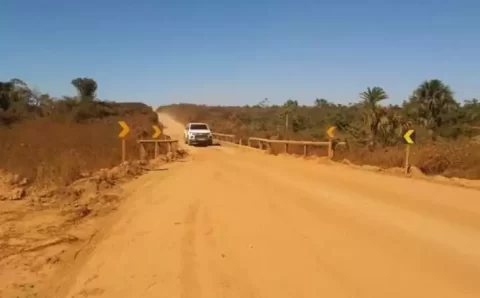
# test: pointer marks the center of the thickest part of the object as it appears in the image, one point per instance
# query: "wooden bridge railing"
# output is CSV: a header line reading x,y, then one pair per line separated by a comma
x,y
306,144
266,143
172,146
224,137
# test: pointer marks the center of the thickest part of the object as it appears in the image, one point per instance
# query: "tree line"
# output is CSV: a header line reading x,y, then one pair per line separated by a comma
x,y
431,109
19,102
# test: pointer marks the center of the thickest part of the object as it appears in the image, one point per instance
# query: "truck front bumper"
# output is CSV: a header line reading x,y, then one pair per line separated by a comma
x,y
201,141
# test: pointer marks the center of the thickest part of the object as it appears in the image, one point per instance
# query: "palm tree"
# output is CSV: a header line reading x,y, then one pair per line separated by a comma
x,y
390,126
434,100
373,112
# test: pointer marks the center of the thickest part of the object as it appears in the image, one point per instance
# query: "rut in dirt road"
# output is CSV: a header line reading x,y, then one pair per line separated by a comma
x,y
230,223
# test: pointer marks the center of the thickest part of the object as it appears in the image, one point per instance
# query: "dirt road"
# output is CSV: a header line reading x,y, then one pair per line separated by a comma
x,y
232,223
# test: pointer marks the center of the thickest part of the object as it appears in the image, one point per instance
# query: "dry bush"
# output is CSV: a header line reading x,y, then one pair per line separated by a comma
x,y
452,159
51,152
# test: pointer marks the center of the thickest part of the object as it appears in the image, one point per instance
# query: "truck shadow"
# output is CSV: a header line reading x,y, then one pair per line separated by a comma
x,y
206,146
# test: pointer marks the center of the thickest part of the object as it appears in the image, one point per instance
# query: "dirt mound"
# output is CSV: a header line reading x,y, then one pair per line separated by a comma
x,y
12,186
39,225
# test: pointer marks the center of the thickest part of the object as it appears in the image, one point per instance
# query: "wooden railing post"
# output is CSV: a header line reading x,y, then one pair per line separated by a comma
x,y
286,147
155,149
330,154
175,147
124,148
305,150
142,151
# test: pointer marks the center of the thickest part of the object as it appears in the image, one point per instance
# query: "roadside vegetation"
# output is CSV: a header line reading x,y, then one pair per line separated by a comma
x,y
60,173
448,131
52,141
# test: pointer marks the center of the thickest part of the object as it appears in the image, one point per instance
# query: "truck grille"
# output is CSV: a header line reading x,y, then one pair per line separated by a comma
x,y
201,136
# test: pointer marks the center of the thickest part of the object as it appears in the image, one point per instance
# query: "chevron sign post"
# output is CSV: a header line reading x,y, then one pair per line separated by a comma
x,y
409,138
122,135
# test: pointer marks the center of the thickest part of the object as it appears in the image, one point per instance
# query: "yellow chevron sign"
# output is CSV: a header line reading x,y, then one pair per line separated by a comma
x,y
330,132
125,129
157,132
409,136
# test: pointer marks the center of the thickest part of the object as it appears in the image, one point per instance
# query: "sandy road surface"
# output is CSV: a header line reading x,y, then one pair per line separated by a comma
x,y
228,223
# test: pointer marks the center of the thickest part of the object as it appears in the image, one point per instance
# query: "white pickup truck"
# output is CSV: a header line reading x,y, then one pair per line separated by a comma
x,y
198,134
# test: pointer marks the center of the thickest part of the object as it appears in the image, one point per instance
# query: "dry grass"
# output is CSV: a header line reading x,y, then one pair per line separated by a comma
x,y
56,153
452,158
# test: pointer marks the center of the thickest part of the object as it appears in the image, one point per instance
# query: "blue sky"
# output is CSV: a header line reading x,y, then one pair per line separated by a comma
x,y
239,52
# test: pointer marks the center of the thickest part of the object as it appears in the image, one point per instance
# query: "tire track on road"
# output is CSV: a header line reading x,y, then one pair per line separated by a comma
x,y
188,275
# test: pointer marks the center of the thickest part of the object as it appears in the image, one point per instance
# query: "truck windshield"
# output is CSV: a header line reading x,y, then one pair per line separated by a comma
x,y
198,126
